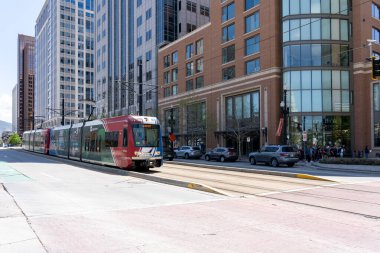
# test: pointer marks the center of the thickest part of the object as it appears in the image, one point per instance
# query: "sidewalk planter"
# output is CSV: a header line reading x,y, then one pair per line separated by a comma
x,y
352,161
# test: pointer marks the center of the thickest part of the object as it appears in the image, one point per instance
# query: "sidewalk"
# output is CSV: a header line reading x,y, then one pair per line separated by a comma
x,y
344,167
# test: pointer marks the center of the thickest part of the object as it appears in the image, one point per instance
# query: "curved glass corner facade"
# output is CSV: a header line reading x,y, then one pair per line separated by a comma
x,y
316,71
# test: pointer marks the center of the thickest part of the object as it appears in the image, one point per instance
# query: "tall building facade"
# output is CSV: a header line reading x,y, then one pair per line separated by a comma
x,y
128,35
65,61
25,83
14,108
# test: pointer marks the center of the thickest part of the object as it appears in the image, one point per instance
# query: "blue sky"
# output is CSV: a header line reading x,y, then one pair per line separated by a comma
x,y
16,17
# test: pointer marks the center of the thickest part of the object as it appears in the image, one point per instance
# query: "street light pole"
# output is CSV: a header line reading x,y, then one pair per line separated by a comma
x,y
63,112
285,112
172,130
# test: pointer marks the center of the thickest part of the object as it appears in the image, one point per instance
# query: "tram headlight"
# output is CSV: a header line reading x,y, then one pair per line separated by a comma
x,y
158,152
137,153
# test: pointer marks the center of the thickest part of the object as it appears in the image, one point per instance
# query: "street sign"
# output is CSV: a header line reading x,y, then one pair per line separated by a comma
x,y
304,136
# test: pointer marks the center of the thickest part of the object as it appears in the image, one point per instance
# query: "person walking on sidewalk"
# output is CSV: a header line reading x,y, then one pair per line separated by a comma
x,y
366,152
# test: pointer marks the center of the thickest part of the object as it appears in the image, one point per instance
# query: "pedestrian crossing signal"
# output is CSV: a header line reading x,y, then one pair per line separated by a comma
x,y
375,68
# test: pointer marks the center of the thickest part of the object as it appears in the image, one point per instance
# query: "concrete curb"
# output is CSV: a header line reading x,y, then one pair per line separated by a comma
x,y
263,172
116,171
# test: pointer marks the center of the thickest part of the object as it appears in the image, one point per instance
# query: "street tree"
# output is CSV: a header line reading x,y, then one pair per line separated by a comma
x,y
15,140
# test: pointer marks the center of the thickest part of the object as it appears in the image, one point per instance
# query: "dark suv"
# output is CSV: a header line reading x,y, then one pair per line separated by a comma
x,y
222,154
275,155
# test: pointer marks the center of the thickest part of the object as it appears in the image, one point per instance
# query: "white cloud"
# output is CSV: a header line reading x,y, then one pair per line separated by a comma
x,y
6,107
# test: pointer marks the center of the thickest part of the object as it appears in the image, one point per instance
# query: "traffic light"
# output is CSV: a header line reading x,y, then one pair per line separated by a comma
x,y
375,68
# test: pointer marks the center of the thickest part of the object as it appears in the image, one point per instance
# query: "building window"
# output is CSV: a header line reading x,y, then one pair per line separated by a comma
x,y
189,69
199,65
191,6
189,51
228,33
252,22
228,73
166,61
190,27
375,34
175,74
166,77
228,54
189,85
167,92
148,75
252,66
243,108
252,45
148,14
251,3
148,35
199,82
318,90
139,41
175,57
310,29
314,55
205,11
199,47
139,2
196,120
139,21
174,89
148,55
228,12
296,7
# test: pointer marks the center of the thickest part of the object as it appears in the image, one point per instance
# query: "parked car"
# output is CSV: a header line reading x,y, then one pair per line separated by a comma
x,y
168,155
222,154
275,155
188,152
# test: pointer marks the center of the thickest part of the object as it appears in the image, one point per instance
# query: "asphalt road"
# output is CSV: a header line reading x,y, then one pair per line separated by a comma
x,y
49,206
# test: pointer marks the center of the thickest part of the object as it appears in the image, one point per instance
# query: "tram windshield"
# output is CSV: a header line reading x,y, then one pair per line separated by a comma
x,y
146,135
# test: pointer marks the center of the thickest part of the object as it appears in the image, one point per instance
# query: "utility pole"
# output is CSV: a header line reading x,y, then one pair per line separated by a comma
x,y
33,120
140,99
171,135
63,112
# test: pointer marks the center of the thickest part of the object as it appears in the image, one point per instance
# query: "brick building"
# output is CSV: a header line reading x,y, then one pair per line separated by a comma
x,y
226,80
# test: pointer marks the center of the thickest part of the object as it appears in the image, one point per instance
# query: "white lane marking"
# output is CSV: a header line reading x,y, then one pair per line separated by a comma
x,y
49,176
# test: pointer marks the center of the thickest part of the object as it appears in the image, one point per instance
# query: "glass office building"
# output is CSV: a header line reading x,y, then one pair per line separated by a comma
x,y
65,43
316,73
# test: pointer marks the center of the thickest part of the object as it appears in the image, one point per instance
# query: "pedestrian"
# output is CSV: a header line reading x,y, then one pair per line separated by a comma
x,y
342,152
307,154
354,154
366,152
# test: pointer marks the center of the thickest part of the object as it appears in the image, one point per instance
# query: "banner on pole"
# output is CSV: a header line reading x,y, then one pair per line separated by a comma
x,y
279,129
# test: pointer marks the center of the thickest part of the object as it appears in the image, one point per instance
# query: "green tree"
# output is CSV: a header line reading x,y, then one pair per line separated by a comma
x,y
15,139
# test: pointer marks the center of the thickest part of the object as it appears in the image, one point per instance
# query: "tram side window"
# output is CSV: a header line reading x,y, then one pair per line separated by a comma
x,y
125,137
111,139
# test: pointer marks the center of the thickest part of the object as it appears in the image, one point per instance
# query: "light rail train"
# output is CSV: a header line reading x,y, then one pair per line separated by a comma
x,y
127,142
